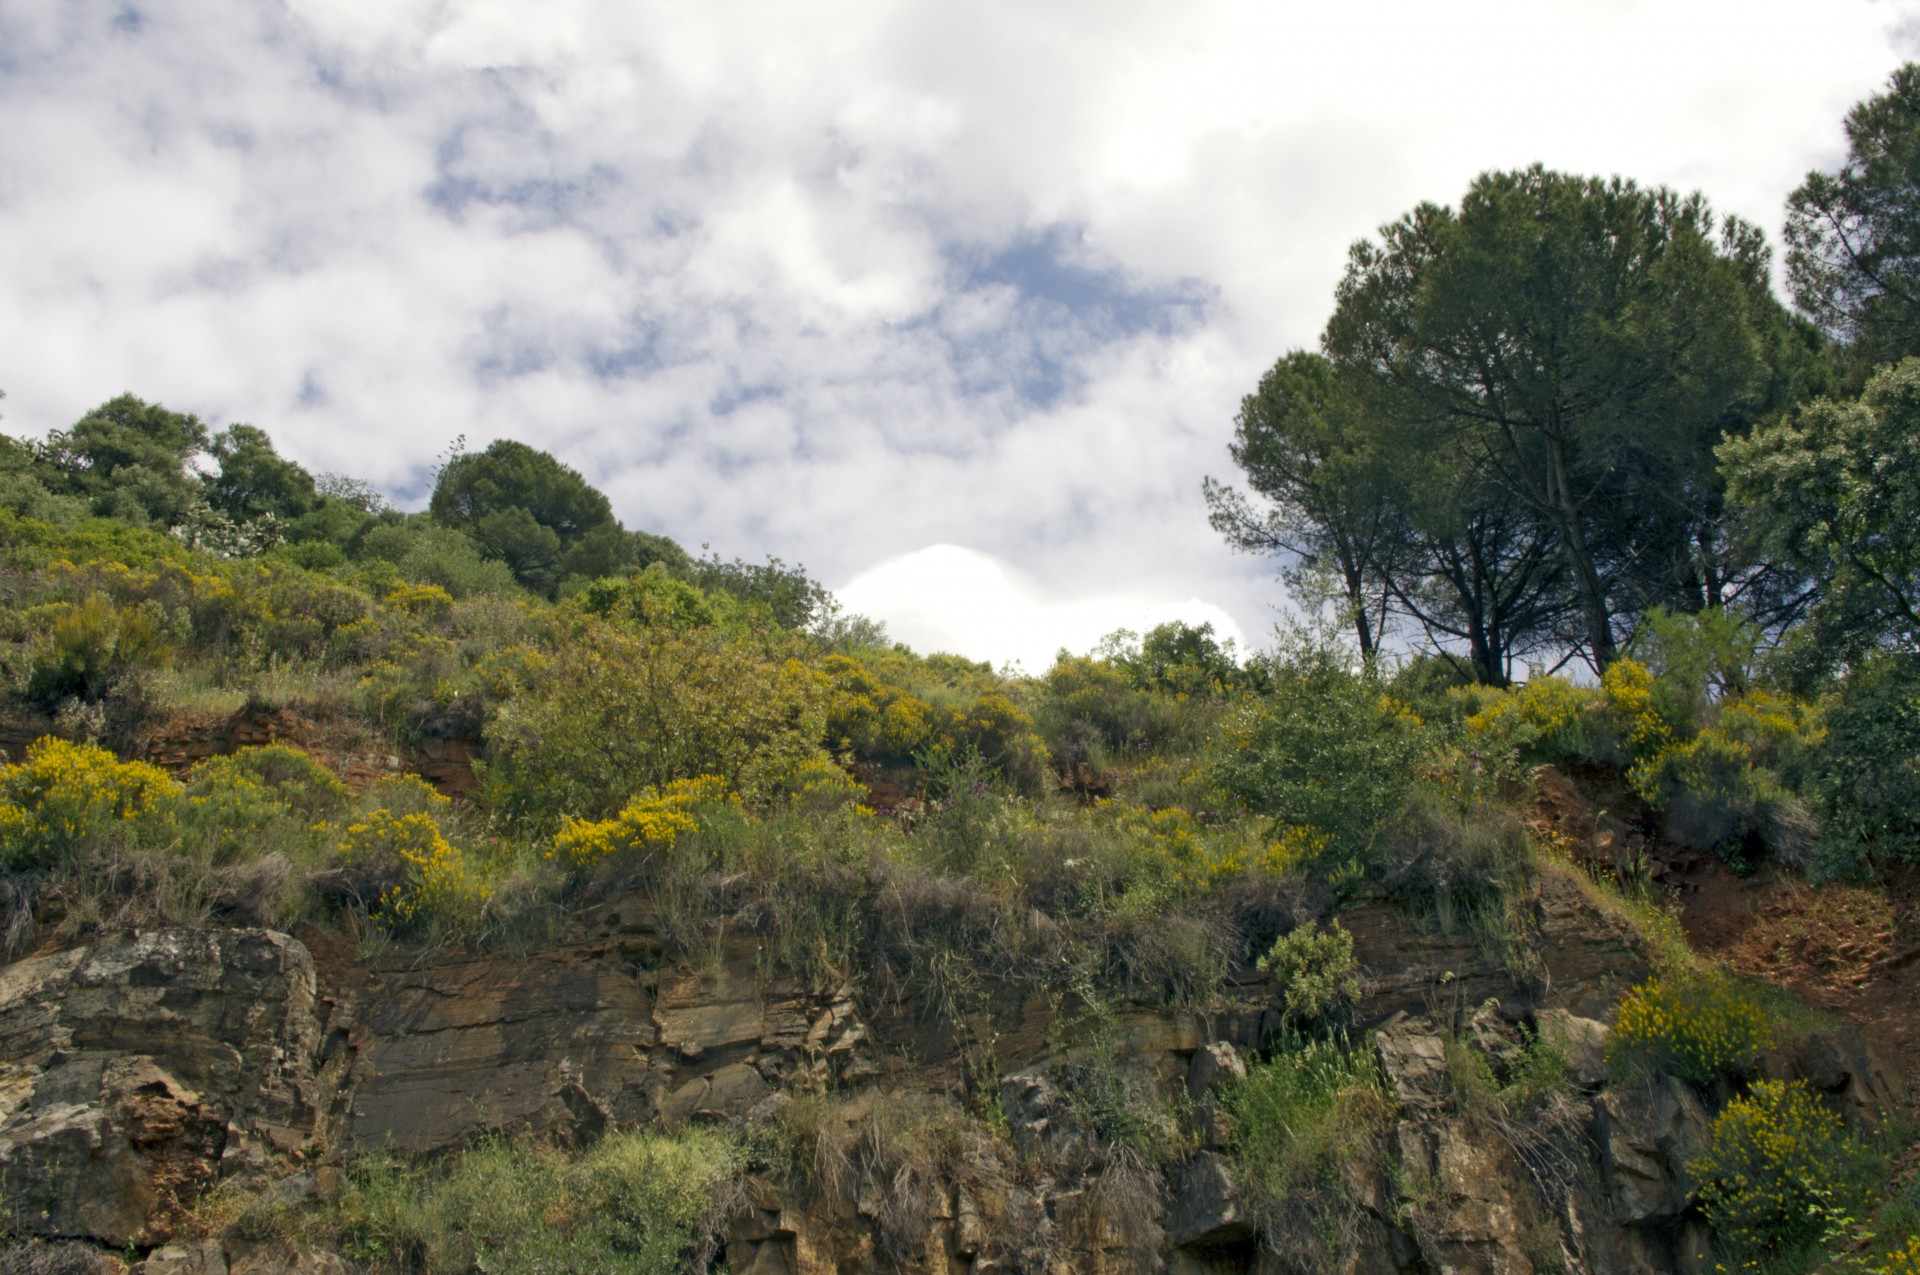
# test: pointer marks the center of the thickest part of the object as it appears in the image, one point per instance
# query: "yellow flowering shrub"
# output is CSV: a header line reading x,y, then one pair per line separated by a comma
x,y
1698,1028
1904,1260
1172,837
818,783
509,670
1544,717
428,603
426,881
1630,693
652,822
65,798
1732,760
1780,1167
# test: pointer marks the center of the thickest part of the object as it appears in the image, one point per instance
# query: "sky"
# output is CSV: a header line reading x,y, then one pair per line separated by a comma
x,y
952,303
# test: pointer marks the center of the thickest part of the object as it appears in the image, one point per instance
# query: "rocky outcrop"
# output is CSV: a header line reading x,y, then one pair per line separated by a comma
x,y
135,1071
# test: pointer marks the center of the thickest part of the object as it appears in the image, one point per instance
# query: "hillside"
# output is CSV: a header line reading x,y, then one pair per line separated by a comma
x,y
366,909
496,887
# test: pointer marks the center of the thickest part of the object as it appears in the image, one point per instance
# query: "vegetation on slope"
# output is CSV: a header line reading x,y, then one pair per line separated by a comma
x,y
1674,486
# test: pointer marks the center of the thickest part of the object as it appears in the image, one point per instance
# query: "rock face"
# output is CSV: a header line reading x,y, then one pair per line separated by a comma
x,y
137,1072
134,1071
572,1039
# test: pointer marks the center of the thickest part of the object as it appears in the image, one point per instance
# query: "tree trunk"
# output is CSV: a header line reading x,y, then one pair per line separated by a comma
x,y
1573,542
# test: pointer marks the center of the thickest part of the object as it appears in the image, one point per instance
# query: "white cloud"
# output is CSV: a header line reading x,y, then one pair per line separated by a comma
x,y
946,598
736,260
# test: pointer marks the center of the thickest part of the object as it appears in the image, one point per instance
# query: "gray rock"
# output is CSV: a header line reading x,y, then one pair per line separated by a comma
x,y
1841,1065
134,1071
1206,1205
1214,1066
1647,1135
1582,1042
1414,1058
203,1258
557,1043
1495,1038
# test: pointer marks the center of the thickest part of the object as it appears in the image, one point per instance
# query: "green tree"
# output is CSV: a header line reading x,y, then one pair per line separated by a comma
x,y
1579,345
254,479
1833,492
1299,442
1380,500
794,598
129,460
527,509
1853,236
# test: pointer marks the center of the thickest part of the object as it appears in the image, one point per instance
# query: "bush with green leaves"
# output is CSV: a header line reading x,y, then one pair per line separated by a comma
x,y
1317,973
231,812
1300,1119
1781,1170
1864,776
618,710
87,647
1327,749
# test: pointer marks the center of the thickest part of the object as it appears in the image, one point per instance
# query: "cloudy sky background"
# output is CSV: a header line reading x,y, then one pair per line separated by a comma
x,y
954,303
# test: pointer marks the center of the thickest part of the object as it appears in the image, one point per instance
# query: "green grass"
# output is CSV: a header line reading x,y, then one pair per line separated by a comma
x,y
632,1204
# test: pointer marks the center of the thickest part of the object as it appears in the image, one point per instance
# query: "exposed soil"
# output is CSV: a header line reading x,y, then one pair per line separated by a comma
x,y
1851,951
346,745
1847,950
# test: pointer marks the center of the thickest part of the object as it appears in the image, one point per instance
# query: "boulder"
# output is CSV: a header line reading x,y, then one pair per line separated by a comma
x,y
1647,1135
1582,1042
1214,1066
1843,1066
1206,1205
1414,1059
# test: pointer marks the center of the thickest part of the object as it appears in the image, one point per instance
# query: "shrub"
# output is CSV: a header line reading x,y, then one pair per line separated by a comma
x,y
1316,970
651,824
1780,1170
229,815
89,646
620,710
1697,1027
1327,750
1095,708
1001,732
288,773
1637,709
425,882
1724,786
1864,778
1545,719
1299,1119
66,800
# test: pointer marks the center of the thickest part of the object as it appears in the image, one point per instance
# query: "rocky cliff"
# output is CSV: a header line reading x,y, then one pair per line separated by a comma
x,y
142,1071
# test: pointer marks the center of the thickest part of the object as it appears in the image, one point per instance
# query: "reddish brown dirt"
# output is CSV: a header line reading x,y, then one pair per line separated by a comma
x,y
345,745
1852,951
